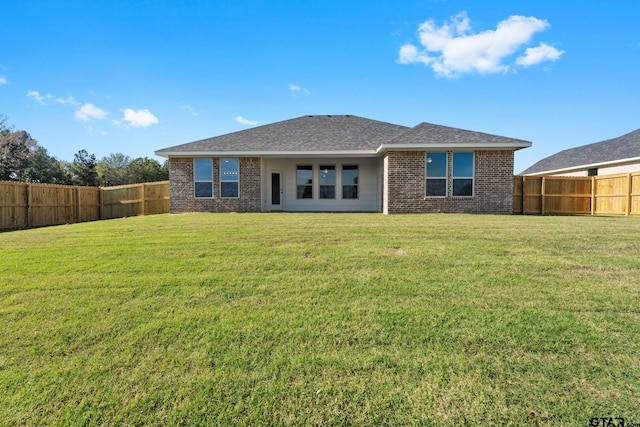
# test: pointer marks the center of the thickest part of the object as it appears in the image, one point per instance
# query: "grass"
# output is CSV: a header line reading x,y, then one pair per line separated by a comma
x,y
321,319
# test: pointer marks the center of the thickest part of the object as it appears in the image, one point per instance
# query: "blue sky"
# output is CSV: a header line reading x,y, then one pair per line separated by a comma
x,y
137,76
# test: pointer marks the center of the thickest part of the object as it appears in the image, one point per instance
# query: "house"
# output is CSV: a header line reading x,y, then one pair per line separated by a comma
x,y
617,155
344,164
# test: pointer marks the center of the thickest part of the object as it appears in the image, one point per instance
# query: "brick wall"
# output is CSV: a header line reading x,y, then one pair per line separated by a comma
x,y
404,185
182,188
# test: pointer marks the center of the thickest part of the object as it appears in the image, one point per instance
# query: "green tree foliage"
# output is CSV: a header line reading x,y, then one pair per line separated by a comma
x,y
114,170
118,169
148,170
16,151
83,169
22,159
47,169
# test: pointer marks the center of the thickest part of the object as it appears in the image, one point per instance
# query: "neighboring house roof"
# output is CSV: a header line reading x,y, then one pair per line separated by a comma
x,y
621,149
344,135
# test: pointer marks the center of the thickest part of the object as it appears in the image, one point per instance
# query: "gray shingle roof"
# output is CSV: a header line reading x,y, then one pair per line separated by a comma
x,y
620,148
306,133
335,134
428,133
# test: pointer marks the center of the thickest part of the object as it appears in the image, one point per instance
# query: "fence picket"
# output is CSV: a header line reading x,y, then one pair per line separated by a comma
x,y
575,195
25,205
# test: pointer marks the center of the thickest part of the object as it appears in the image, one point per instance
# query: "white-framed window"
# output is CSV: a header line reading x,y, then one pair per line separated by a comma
x,y
203,178
462,176
304,182
229,178
327,182
436,174
350,176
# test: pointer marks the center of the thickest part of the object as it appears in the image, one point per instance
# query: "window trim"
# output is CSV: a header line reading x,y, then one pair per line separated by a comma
x,y
440,178
195,180
320,184
310,185
356,185
472,177
237,181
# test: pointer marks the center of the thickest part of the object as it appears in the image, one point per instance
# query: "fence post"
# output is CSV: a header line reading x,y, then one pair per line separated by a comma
x,y
523,195
542,195
594,182
629,185
78,215
101,197
144,198
29,205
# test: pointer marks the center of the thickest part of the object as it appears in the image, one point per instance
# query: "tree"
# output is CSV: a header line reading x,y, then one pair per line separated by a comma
x,y
148,170
114,170
83,169
47,169
4,128
16,150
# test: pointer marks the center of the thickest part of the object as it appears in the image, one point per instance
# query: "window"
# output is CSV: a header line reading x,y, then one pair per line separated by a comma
x,y
327,182
349,181
462,174
203,177
592,172
436,174
229,178
304,182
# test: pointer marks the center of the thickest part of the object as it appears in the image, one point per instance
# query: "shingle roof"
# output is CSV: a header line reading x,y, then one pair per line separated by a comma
x,y
326,134
306,133
620,148
428,133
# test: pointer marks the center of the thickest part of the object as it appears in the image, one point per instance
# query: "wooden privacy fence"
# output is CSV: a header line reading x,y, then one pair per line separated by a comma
x,y
570,195
33,205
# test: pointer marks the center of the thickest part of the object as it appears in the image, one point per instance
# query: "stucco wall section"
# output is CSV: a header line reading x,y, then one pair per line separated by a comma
x,y
182,188
404,185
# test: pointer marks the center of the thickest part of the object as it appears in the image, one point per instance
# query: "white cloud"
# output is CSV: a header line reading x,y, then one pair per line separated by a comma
x,y
3,81
39,98
70,100
90,112
536,55
453,48
91,131
247,122
299,89
138,118
189,109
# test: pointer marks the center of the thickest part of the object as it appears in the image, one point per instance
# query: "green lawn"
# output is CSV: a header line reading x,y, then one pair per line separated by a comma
x,y
321,319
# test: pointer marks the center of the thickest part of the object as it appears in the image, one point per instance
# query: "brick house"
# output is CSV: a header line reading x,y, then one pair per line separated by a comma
x,y
344,164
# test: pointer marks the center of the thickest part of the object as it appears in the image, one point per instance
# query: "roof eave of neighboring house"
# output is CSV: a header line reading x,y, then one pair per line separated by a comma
x,y
516,145
586,166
